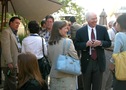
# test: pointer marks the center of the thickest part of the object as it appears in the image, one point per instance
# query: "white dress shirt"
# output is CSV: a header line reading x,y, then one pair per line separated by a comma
x,y
89,34
112,32
33,44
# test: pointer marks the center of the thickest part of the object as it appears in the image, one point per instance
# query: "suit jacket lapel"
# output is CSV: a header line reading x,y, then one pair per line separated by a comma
x,y
13,36
86,33
97,32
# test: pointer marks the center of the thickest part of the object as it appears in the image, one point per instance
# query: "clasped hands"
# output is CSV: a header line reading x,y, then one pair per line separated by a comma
x,y
93,43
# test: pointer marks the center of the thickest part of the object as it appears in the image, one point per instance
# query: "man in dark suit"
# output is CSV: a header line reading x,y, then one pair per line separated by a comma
x,y
91,40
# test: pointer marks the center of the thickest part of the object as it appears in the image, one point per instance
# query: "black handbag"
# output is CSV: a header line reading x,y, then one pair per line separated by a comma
x,y
45,64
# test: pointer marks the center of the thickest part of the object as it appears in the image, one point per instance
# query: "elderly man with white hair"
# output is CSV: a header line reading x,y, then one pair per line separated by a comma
x,y
91,39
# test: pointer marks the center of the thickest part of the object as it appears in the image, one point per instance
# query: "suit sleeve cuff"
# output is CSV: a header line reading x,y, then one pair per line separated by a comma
x,y
101,43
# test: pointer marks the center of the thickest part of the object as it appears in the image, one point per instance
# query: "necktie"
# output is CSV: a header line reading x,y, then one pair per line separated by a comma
x,y
93,51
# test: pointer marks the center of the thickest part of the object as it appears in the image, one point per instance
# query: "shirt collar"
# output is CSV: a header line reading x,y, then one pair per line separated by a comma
x,y
14,31
90,28
34,34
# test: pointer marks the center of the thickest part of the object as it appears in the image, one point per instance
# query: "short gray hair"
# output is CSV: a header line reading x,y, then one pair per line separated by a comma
x,y
88,15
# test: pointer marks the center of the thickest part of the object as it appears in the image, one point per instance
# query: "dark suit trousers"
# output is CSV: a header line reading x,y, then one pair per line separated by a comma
x,y
10,79
80,82
92,78
118,85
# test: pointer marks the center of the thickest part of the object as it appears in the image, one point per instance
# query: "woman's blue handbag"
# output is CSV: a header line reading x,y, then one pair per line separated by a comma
x,y
68,64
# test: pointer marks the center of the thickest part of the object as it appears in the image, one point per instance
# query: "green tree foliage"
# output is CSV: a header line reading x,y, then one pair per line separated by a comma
x,y
70,7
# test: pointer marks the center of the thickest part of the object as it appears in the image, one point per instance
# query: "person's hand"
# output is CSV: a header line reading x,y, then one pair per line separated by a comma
x,y
89,43
96,43
10,65
112,67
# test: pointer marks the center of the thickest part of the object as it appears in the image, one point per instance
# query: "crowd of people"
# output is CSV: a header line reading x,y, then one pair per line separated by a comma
x,y
93,44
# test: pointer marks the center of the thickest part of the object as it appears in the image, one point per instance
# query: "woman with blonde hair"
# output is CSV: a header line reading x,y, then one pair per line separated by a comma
x,y
29,77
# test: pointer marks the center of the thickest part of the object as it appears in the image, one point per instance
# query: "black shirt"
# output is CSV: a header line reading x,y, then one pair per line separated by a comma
x,y
33,85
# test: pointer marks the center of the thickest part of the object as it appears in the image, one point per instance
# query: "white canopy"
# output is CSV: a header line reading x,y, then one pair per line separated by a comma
x,y
32,9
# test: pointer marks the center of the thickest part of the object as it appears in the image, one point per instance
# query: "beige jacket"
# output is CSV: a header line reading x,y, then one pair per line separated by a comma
x,y
54,51
9,48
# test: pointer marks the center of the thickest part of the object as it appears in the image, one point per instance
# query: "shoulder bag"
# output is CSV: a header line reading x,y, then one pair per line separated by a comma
x,y
68,64
45,63
120,65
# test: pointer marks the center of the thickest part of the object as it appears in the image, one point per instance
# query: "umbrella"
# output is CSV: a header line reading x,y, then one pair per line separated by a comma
x,y
30,9
103,19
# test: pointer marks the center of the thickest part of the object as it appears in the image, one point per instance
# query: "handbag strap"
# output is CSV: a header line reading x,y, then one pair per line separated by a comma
x,y
64,44
43,51
43,47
